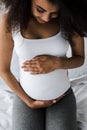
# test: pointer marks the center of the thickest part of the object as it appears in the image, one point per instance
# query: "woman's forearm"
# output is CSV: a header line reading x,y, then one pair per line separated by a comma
x,y
11,81
69,63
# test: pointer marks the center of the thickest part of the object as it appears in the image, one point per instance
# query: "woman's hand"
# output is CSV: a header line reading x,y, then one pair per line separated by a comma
x,y
41,104
41,64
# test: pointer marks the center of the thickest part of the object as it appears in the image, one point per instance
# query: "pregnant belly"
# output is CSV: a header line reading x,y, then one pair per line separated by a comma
x,y
45,86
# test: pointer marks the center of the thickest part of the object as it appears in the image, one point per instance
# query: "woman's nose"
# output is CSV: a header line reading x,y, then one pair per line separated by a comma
x,y
45,18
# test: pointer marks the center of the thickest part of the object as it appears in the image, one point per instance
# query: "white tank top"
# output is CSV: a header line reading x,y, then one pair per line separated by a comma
x,y
42,86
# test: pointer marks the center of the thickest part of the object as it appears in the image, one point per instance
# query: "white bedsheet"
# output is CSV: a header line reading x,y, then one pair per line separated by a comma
x,y
79,86
6,99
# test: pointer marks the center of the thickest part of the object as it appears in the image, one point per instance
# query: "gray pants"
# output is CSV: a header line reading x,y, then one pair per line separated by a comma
x,y
60,116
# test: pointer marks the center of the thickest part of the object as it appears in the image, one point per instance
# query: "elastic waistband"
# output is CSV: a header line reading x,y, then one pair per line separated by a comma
x,y
68,91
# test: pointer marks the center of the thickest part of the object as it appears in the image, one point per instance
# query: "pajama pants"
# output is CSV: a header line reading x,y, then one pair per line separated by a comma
x,y
59,116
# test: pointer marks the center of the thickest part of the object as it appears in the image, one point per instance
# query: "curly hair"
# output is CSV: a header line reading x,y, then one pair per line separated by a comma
x,y
72,15
19,13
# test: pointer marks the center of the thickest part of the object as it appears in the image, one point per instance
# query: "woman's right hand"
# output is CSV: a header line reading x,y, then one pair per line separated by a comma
x,y
34,104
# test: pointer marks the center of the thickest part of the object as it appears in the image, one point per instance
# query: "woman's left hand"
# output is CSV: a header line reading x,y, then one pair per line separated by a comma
x,y
41,64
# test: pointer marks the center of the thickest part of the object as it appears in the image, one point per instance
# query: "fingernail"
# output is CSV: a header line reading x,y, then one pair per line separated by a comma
x,y
54,101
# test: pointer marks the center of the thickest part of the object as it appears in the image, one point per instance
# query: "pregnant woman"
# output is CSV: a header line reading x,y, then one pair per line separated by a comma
x,y
41,31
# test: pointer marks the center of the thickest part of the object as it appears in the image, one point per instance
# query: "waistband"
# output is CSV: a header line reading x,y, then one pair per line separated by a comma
x,y
68,91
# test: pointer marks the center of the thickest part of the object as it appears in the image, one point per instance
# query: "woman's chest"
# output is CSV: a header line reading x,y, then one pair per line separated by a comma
x,y
40,40
29,48
36,31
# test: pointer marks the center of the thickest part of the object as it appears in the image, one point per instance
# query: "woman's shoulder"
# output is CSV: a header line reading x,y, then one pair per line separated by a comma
x,y
4,26
3,20
75,37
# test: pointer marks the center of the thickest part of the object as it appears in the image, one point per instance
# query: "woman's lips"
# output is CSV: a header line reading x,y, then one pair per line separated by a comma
x,y
41,21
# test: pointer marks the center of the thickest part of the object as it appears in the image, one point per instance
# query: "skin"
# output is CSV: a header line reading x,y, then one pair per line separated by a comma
x,y
39,64
44,11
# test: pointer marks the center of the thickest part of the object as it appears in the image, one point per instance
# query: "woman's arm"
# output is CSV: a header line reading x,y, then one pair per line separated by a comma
x,y
77,59
6,49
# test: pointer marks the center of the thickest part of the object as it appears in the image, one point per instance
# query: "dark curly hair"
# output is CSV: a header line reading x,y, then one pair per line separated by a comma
x,y
72,15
